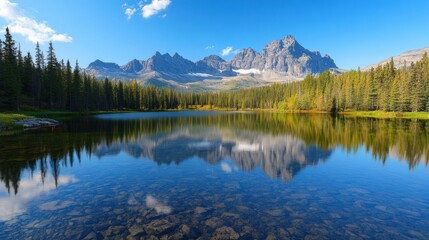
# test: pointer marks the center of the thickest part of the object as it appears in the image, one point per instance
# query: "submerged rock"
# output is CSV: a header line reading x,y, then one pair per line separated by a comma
x,y
37,122
55,205
136,230
200,210
158,226
214,222
225,233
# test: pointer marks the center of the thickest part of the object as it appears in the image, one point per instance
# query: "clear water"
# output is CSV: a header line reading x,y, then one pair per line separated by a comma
x,y
216,175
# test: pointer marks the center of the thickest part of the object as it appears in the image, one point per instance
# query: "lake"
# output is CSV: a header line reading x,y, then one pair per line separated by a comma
x,y
219,175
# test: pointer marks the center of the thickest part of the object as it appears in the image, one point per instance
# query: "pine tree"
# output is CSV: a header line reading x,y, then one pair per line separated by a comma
x,y
60,91
27,76
404,90
69,85
51,69
77,89
38,76
86,92
417,88
108,92
372,90
2,86
20,78
120,95
10,73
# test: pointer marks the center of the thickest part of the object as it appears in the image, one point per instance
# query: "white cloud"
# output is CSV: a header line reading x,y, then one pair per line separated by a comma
x,y
226,51
236,51
28,27
154,7
7,9
209,47
147,10
130,12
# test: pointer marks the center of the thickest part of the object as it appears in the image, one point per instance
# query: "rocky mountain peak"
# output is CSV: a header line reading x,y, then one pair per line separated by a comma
x,y
133,66
167,64
213,64
245,59
275,45
214,58
289,40
98,64
289,37
177,56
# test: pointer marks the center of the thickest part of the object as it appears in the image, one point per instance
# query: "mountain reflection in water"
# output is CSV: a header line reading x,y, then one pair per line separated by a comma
x,y
279,144
216,175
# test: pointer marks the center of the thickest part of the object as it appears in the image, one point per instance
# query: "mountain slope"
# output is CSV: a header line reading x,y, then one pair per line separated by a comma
x,y
404,58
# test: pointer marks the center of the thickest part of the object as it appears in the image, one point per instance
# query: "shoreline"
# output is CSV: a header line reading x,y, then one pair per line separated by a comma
x,y
17,121
348,113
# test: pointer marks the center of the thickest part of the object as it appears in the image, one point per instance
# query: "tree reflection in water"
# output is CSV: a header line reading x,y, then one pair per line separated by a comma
x,y
280,144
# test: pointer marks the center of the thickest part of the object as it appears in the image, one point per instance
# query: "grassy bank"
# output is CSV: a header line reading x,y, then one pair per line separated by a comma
x,y
7,120
381,114
366,114
65,114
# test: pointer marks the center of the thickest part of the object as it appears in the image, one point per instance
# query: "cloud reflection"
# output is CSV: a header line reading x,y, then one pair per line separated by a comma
x,y
226,168
15,205
160,208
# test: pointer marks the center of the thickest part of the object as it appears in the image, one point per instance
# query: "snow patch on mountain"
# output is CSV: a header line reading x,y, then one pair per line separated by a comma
x,y
205,75
247,71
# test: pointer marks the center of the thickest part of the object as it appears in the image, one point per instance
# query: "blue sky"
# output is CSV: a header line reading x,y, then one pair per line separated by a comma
x,y
353,32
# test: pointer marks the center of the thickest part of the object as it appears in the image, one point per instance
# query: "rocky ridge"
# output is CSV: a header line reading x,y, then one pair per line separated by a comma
x,y
405,58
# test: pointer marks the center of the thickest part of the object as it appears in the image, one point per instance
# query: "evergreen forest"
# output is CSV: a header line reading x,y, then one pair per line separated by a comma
x,y
42,82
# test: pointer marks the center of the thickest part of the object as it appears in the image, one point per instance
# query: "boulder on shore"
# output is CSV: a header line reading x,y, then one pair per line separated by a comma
x,y
37,122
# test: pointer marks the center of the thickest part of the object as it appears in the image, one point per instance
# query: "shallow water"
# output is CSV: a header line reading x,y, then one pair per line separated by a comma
x,y
217,175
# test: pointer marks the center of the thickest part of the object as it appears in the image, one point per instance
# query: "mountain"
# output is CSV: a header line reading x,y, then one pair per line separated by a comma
x,y
286,57
404,58
280,61
280,157
133,66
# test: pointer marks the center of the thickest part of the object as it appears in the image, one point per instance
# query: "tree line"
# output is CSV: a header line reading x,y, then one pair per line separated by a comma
x,y
382,88
47,83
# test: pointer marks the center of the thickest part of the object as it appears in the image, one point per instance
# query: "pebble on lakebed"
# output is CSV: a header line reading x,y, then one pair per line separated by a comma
x,y
37,122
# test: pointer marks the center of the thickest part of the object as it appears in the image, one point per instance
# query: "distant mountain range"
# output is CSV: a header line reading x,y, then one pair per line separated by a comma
x,y
280,61
404,58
